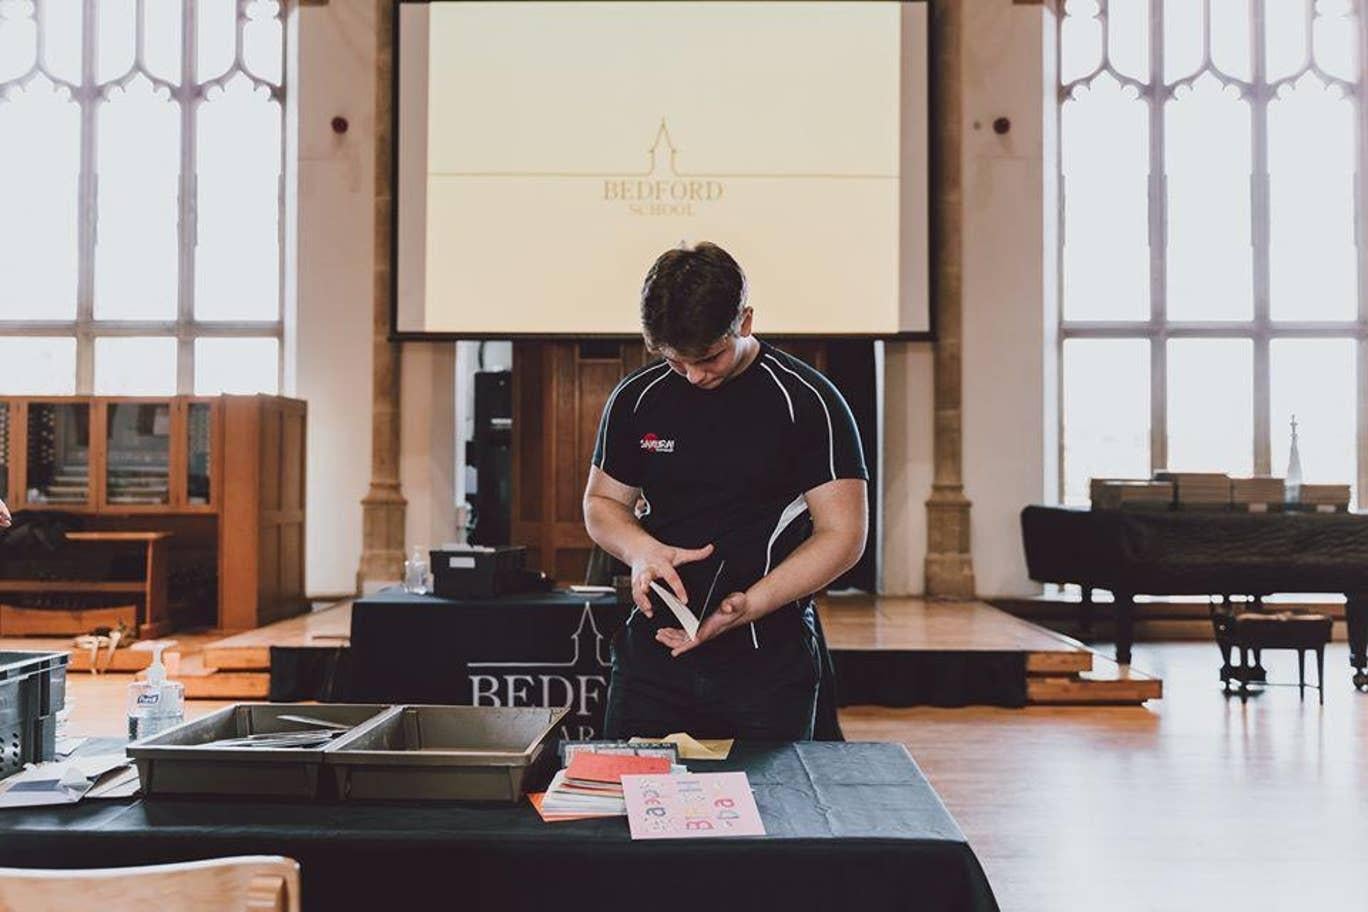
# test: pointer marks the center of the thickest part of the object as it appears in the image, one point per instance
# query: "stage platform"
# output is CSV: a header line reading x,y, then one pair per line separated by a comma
x,y
950,644
888,651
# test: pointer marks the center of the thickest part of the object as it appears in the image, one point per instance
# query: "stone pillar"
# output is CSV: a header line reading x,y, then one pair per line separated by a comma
x,y
949,564
383,507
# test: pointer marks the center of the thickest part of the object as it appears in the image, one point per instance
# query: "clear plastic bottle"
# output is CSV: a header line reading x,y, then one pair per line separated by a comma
x,y
1294,469
154,704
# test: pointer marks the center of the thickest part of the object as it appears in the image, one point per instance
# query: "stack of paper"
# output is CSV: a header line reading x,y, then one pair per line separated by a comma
x,y
1199,489
591,786
1125,493
69,781
1259,493
1330,497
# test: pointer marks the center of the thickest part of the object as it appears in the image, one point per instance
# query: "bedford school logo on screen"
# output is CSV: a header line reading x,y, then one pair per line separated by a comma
x,y
661,189
653,444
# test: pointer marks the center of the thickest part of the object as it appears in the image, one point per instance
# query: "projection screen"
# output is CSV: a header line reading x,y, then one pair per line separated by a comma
x,y
547,152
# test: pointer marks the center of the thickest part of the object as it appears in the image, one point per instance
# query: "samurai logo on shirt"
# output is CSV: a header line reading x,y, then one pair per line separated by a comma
x,y
654,444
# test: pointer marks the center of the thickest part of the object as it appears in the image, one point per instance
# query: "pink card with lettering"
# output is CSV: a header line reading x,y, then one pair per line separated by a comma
x,y
691,805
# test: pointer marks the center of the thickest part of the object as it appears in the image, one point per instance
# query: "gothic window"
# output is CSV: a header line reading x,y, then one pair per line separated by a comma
x,y
1212,280
141,163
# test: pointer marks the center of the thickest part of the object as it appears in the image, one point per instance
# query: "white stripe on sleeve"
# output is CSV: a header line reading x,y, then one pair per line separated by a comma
x,y
831,437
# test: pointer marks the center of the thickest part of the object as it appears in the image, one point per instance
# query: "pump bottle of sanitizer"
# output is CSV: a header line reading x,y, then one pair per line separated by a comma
x,y
154,704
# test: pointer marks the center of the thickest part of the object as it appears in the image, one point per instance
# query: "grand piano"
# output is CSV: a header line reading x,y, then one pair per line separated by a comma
x,y
1170,552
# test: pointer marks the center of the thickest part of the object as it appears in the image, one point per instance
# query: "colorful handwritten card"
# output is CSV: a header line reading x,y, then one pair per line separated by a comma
x,y
691,806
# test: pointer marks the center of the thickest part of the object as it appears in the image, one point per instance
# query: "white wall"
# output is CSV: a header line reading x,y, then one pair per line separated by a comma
x,y
330,352
1010,442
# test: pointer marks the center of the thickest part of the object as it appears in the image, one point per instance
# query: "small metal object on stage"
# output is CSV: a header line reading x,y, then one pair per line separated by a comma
x,y
481,753
212,756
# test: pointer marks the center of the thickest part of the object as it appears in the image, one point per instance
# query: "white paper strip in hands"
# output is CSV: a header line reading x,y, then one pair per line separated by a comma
x,y
682,614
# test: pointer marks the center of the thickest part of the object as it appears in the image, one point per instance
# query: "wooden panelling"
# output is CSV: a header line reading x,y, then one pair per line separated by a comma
x,y
262,559
24,622
559,390
241,527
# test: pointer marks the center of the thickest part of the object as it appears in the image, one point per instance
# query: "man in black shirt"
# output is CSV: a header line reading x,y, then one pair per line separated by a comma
x,y
731,474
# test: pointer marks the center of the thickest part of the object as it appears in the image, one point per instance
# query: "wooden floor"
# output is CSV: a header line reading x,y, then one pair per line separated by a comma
x,y
1193,802
326,627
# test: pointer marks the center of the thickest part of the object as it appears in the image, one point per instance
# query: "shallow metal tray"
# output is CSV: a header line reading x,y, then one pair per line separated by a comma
x,y
470,753
181,762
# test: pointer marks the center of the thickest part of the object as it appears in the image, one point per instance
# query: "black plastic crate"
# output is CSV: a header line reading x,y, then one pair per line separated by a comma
x,y
32,692
21,698
32,740
48,671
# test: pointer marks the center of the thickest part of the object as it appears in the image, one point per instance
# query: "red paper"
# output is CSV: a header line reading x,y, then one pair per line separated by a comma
x,y
611,767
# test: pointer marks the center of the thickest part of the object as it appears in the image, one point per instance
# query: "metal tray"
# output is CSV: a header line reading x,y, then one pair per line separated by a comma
x,y
180,762
469,753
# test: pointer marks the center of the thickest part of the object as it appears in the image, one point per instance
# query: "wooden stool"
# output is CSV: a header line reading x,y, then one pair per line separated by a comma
x,y
1257,631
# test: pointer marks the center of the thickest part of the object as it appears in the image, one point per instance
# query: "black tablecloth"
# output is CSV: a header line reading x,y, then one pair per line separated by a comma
x,y
850,826
537,649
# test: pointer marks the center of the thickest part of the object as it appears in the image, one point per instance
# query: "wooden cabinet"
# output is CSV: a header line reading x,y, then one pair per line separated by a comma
x,y
223,475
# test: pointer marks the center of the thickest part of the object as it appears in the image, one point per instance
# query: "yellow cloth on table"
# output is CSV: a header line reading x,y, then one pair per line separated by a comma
x,y
690,748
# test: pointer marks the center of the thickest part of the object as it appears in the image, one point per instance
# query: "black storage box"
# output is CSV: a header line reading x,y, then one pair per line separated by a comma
x,y
475,571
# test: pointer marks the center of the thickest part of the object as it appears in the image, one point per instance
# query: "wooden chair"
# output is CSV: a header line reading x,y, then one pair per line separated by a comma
x,y
247,883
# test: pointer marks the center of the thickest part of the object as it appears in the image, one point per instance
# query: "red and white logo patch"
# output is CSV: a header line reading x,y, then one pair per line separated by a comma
x,y
654,444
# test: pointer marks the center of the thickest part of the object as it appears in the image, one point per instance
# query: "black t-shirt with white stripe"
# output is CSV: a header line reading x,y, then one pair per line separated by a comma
x,y
729,466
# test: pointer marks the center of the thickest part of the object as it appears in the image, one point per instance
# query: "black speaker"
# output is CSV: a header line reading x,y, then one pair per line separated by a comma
x,y
493,404
490,452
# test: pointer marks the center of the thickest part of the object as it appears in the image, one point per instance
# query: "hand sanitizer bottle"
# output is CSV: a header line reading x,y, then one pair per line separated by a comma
x,y
154,704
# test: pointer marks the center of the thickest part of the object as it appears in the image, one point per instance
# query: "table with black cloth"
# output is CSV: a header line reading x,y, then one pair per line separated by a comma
x,y
849,826
532,649
1173,552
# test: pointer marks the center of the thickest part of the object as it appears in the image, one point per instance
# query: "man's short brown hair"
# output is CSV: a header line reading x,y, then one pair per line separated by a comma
x,y
692,297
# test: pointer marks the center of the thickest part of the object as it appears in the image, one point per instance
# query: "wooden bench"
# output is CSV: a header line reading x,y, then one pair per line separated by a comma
x,y
151,591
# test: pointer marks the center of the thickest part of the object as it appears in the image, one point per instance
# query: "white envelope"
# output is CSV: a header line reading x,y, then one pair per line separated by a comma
x,y
682,614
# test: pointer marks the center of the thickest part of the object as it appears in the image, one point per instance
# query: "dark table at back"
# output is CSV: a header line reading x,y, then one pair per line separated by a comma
x,y
530,649
1169,552
849,826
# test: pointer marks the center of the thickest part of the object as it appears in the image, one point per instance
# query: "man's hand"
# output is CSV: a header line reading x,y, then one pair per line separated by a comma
x,y
658,562
5,518
734,610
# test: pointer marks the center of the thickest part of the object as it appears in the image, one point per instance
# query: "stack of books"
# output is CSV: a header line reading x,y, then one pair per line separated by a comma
x,y
1325,498
1128,494
1199,489
1258,494
591,786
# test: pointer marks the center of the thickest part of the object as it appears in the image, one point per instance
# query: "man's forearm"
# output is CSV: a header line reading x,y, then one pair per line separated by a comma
x,y
810,568
614,528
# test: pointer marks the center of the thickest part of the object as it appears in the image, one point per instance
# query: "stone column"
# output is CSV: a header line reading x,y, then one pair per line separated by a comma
x,y
382,516
949,564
